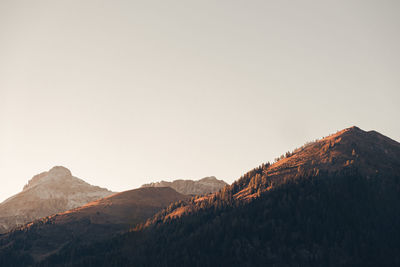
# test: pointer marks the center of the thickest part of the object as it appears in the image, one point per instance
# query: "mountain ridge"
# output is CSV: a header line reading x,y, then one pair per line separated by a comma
x,y
202,186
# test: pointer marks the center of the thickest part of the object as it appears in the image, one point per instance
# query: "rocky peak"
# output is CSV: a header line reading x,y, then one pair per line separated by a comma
x,y
54,174
60,171
189,187
45,194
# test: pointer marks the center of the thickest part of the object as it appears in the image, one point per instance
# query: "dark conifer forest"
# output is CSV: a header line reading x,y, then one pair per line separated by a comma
x,y
324,220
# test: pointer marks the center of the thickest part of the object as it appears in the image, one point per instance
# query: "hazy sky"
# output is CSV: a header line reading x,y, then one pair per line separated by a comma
x,y
127,92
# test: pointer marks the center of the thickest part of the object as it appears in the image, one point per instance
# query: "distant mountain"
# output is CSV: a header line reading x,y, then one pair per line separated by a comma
x,y
333,202
189,187
92,222
46,194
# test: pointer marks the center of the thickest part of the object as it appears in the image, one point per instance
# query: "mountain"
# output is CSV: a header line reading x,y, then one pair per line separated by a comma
x,y
45,194
333,202
368,152
189,187
92,222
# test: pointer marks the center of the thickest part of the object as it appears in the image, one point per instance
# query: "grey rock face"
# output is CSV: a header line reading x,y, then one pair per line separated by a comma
x,y
189,187
46,194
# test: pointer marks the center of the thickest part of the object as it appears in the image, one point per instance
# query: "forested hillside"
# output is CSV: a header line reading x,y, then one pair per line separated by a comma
x,y
333,202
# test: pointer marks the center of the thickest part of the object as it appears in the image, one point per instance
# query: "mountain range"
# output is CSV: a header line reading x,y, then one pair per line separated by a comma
x,y
56,191
332,202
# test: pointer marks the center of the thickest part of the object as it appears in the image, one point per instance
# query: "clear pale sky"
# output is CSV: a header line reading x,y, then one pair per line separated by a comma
x,y
128,92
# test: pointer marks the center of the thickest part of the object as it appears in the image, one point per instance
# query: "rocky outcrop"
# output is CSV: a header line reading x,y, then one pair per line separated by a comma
x,y
189,187
46,194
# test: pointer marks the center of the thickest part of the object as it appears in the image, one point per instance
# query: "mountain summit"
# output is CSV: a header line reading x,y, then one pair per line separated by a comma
x,y
344,148
56,173
45,194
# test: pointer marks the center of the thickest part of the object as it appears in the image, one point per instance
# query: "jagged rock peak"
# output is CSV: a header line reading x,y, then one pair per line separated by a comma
x,y
46,194
56,172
